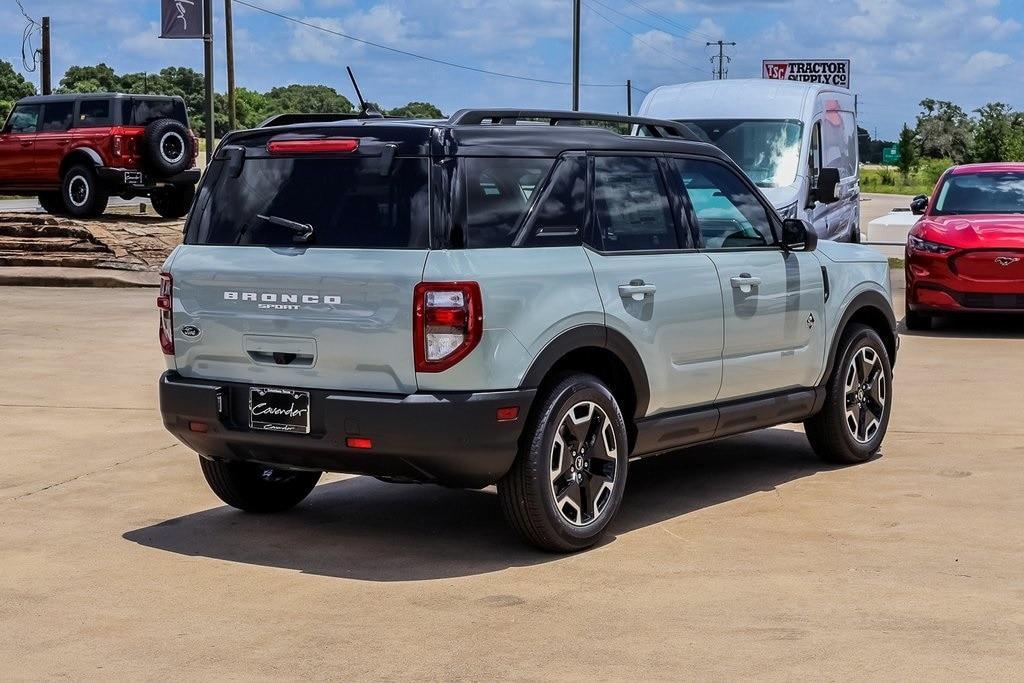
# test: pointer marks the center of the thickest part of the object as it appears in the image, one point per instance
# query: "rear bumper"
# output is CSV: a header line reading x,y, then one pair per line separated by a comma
x,y
451,438
133,180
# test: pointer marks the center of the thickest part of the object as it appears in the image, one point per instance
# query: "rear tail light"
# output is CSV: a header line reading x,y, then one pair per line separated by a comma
x,y
448,323
164,302
313,146
118,144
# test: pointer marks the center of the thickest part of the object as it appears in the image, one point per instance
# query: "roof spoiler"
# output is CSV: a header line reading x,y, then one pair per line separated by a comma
x,y
290,119
658,128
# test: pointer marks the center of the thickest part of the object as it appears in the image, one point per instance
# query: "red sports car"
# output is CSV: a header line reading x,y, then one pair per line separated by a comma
x,y
966,253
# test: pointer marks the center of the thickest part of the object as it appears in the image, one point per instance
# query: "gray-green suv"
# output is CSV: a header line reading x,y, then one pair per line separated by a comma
x,y
521,298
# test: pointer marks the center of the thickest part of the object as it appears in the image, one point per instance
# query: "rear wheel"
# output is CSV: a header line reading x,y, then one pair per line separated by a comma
x,y
567,482
174,201
851,425
52,203
82,193
257,488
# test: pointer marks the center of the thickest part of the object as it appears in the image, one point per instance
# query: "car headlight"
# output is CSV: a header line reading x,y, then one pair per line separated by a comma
x,y
788,211
918,244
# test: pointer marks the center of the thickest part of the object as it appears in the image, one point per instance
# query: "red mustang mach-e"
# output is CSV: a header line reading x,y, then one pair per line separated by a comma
x,y
966,253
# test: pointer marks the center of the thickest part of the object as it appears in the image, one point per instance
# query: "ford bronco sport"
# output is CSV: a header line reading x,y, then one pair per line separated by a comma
x,y
518,298
74,151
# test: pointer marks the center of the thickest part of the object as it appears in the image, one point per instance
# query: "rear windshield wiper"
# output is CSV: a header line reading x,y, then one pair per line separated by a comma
x,y
303,231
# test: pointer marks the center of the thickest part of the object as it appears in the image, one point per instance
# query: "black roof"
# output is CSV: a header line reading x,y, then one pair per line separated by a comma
x,y
495,133
64,97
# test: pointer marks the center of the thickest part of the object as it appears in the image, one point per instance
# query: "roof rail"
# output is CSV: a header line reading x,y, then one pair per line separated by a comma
x,y
658,128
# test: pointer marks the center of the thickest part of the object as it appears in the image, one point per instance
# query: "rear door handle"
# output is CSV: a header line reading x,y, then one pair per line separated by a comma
x,y
636,290
26,143
745,282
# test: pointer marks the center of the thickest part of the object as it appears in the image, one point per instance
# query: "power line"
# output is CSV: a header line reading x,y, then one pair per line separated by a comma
x,y
26,41
642,41
671,22
434,60
646,23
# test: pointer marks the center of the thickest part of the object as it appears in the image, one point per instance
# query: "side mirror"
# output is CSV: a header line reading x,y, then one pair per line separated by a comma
x,y
827,188
798,235
919,205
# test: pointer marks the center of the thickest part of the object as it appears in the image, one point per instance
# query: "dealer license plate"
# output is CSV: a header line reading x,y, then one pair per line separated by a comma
x,y
279,410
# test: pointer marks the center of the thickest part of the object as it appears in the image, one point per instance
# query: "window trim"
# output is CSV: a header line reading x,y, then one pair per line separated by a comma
x,y
774,223
591,233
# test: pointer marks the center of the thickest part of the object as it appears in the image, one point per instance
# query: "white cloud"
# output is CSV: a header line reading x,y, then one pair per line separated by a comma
x,y
980,65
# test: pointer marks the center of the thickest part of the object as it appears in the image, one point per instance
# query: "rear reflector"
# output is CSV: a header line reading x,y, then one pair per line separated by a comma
x,y
164,304
200,427
313,146
358,442
508,414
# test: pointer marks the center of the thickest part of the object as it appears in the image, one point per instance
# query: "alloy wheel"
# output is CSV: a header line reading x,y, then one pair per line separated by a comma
x,y
172,147
583,464
78,189
866,394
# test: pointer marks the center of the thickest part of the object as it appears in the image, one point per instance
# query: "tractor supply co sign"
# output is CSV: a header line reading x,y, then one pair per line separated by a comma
x,y
826,71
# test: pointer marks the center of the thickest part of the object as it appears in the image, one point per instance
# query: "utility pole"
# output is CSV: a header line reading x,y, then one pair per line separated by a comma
x,y
722,59
629,97
45,58
208,65
576,55
229,39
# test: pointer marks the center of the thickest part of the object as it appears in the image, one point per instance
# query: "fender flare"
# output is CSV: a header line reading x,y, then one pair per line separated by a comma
x,y
870,299
593,336
74,154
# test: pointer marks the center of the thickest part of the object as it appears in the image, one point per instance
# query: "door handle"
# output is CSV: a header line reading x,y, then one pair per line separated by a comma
x,y
636,290
26,143
745,282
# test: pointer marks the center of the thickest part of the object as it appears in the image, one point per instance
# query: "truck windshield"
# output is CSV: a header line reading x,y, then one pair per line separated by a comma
x,y
140,111
768,151
345,203
968,193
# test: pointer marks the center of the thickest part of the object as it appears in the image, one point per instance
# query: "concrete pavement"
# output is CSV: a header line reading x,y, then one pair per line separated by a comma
x,y
746,558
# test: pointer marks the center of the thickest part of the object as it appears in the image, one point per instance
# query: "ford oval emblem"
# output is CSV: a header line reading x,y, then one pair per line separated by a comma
x,y
190,331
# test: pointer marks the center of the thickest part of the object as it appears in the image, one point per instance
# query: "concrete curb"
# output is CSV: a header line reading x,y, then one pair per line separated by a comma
x,y
47,276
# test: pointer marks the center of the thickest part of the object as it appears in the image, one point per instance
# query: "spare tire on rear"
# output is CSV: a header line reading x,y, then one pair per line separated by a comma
x,y
166,147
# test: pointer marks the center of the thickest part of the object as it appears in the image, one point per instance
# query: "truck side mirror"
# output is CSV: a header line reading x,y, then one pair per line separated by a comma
x,y
798,235
919,205
827,186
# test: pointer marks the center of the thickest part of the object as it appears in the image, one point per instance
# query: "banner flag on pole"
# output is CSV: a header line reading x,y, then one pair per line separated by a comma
x,y
181,18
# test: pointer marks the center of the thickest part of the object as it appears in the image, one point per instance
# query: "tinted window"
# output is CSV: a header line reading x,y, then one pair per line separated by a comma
x,y
94,112
558,219
966,193
346,201
631,207
24,118
139,112
57,116
497,192
728,214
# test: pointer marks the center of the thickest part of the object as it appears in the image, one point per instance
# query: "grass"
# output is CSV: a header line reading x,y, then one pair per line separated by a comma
x,y
888,179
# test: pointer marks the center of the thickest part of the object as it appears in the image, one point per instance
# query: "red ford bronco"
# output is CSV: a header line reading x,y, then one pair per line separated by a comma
x,y
76,150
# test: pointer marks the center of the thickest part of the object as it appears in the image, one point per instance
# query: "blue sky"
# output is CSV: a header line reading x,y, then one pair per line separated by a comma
x,y
969,51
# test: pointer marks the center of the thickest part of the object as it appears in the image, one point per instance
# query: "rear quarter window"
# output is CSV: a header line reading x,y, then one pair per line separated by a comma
x,y
495,195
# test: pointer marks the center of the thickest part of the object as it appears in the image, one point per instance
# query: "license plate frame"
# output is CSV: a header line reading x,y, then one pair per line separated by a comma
x,y
279,410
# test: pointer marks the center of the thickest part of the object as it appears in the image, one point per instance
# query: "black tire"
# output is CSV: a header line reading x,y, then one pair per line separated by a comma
x,y
257,488
52,203
917,322
166,147
831,432
173,202
82,193
598,468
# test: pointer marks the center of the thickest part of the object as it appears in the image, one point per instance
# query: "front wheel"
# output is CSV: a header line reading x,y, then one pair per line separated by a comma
x,y
567,482
173,202
257,488
851,425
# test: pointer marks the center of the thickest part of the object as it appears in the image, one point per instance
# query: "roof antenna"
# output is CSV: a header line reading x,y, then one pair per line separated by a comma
x,y
363,109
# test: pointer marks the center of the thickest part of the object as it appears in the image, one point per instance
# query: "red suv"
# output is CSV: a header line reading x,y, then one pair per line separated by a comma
x,y
966,253
76,150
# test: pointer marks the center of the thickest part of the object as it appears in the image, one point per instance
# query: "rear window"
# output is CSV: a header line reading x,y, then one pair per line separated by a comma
x,y
94,113
139,112
347,202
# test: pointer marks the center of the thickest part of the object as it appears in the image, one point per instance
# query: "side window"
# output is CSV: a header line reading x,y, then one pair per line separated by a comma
x,y
94,113
57,116
814,160
839,141
558,219
631,207
497,194
24,119
729,215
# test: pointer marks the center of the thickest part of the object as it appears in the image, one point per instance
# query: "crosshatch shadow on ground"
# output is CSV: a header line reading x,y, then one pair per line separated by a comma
x,y
364,529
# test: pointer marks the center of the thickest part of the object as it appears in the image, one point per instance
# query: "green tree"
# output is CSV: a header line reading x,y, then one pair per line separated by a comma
x,y
1014,149
944,130
418,110
993,132
908,151
13,87
307,99
99,78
